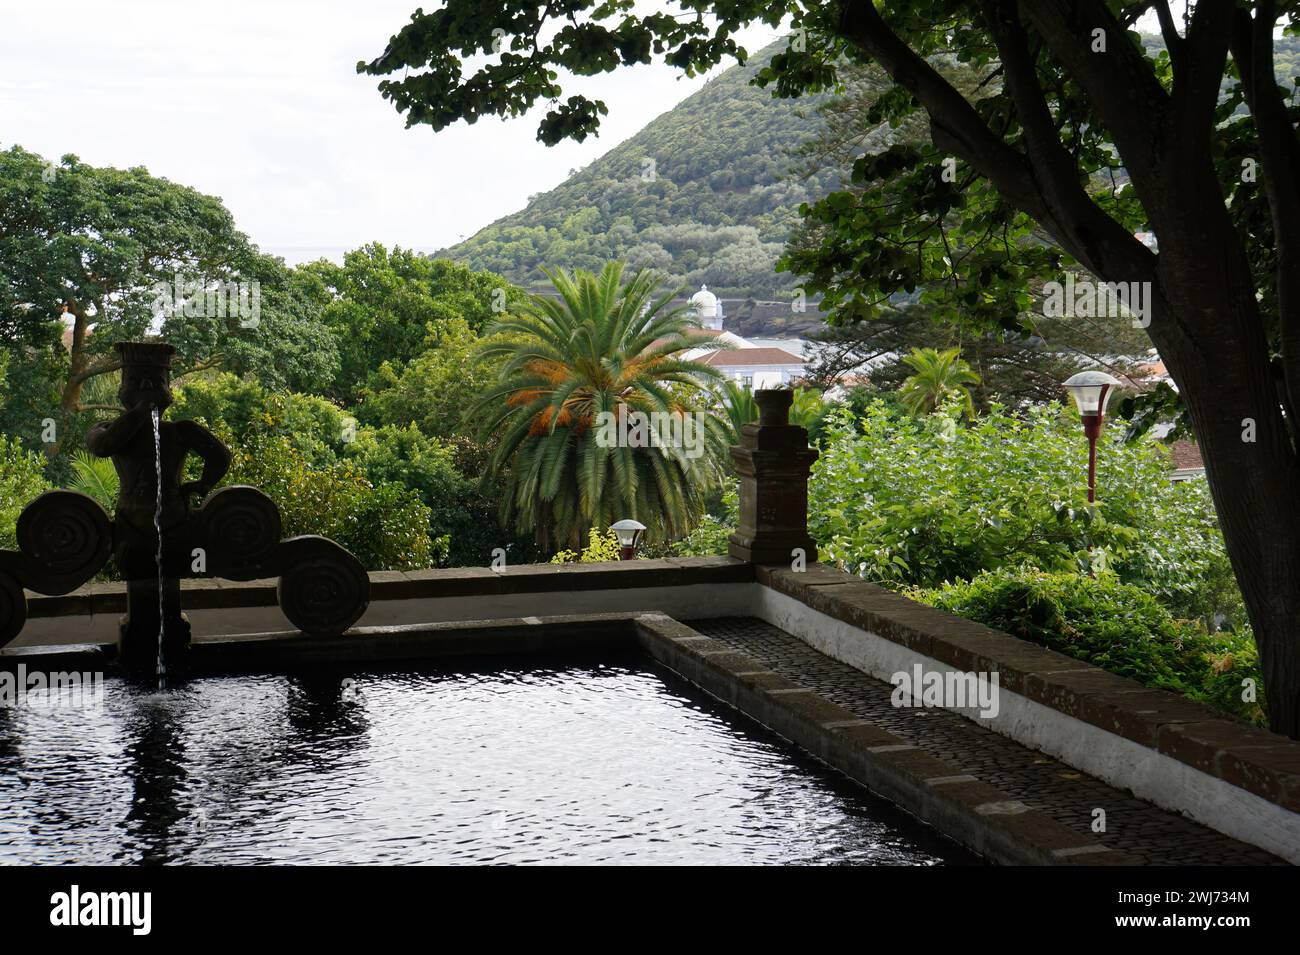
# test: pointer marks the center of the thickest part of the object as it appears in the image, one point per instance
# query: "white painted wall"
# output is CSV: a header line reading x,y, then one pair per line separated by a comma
x,y
1121,762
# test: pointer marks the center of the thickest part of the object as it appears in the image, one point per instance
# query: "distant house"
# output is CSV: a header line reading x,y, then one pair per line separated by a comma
x,y
750,364
1184,455
1186,458
757,368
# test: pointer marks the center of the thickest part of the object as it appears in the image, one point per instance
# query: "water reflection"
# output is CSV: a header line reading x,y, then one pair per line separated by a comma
x,y
154,762
580,763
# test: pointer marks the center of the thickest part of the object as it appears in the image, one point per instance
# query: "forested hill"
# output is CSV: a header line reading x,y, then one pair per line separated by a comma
x,y
703,192
707,192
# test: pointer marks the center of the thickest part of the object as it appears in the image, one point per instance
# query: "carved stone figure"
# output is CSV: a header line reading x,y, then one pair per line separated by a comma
x,y
65,538
129,441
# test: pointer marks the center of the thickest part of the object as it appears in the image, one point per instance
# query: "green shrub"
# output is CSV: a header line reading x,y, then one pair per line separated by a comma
x,y
710,537
602,546
918,501
22,480
1112,625
462,520
386,525
311,424
1233,660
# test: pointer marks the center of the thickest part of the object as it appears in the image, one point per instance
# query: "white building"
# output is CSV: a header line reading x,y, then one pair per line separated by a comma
x,y
708,308
756,368
751,364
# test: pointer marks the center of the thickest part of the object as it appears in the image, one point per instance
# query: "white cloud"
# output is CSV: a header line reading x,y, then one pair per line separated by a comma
x,y
259,103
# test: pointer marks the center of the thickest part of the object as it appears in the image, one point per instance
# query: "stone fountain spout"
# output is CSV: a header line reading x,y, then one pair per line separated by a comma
x,y
154,630
65,538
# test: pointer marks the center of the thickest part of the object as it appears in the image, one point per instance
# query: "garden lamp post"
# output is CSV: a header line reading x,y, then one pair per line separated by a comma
x,y
629,533
1092,392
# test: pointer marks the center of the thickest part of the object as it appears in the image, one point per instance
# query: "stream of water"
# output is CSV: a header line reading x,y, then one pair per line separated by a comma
x,y
157,523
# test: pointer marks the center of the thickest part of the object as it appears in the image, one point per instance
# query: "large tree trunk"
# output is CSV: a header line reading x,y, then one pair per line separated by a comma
x,y
1226,381
1206,322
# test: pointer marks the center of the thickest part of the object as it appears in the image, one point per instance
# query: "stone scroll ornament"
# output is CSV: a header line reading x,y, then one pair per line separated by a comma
x,y
323,589
65,538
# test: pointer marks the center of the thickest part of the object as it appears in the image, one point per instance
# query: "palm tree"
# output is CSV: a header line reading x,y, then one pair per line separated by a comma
x,y
937,376
739,408
96,477
570,363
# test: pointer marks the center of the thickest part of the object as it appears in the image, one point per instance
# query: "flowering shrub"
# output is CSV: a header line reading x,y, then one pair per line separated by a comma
x,y
601,546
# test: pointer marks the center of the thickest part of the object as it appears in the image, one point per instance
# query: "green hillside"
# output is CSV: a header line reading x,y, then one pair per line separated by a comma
x,y
709,192
704,193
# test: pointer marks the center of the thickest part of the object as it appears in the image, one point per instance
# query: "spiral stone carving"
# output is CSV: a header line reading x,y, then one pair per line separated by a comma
x,y
66,537
242,528
324,589
13,607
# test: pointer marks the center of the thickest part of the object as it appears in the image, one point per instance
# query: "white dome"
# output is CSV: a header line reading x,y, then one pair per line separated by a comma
x,y
704,298
708,308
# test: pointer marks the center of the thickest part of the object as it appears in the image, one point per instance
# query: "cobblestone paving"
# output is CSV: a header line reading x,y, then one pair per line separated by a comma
x,y
1133,826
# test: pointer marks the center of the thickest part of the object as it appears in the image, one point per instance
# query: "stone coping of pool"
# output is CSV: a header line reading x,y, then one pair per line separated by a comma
x,y
1256,760
215,594
1164,746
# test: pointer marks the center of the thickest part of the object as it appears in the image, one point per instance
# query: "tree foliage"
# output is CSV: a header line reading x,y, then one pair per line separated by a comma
x,y
21,481
383,306
602,347
462,522
315,427
124,251
936,378
908,501
385,525
435,389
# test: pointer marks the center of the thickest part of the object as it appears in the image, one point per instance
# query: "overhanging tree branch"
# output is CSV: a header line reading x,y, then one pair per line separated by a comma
x,y
1173,42
1120,83
1097,240
955,125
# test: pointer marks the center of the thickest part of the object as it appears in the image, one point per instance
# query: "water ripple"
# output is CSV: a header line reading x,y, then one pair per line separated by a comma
x,y
579,764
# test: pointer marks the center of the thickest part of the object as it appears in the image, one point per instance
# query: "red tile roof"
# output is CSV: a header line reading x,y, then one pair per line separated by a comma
x,y
744,357
1186,455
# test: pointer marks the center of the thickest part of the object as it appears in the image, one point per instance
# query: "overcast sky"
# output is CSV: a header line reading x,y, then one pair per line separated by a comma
x,y
259,102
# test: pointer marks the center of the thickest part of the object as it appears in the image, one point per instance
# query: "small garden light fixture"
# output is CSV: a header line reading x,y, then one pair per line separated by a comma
x,y
629,534
1092,391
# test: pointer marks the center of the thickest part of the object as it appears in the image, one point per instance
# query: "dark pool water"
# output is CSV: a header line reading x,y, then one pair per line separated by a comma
x,y
578,764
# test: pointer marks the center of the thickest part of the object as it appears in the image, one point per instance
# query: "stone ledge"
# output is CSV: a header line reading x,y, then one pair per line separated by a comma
x,y
281,651
956,803
414,642
1262,763
215,594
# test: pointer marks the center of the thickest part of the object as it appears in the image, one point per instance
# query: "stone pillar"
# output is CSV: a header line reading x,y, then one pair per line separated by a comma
x,y
773,460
